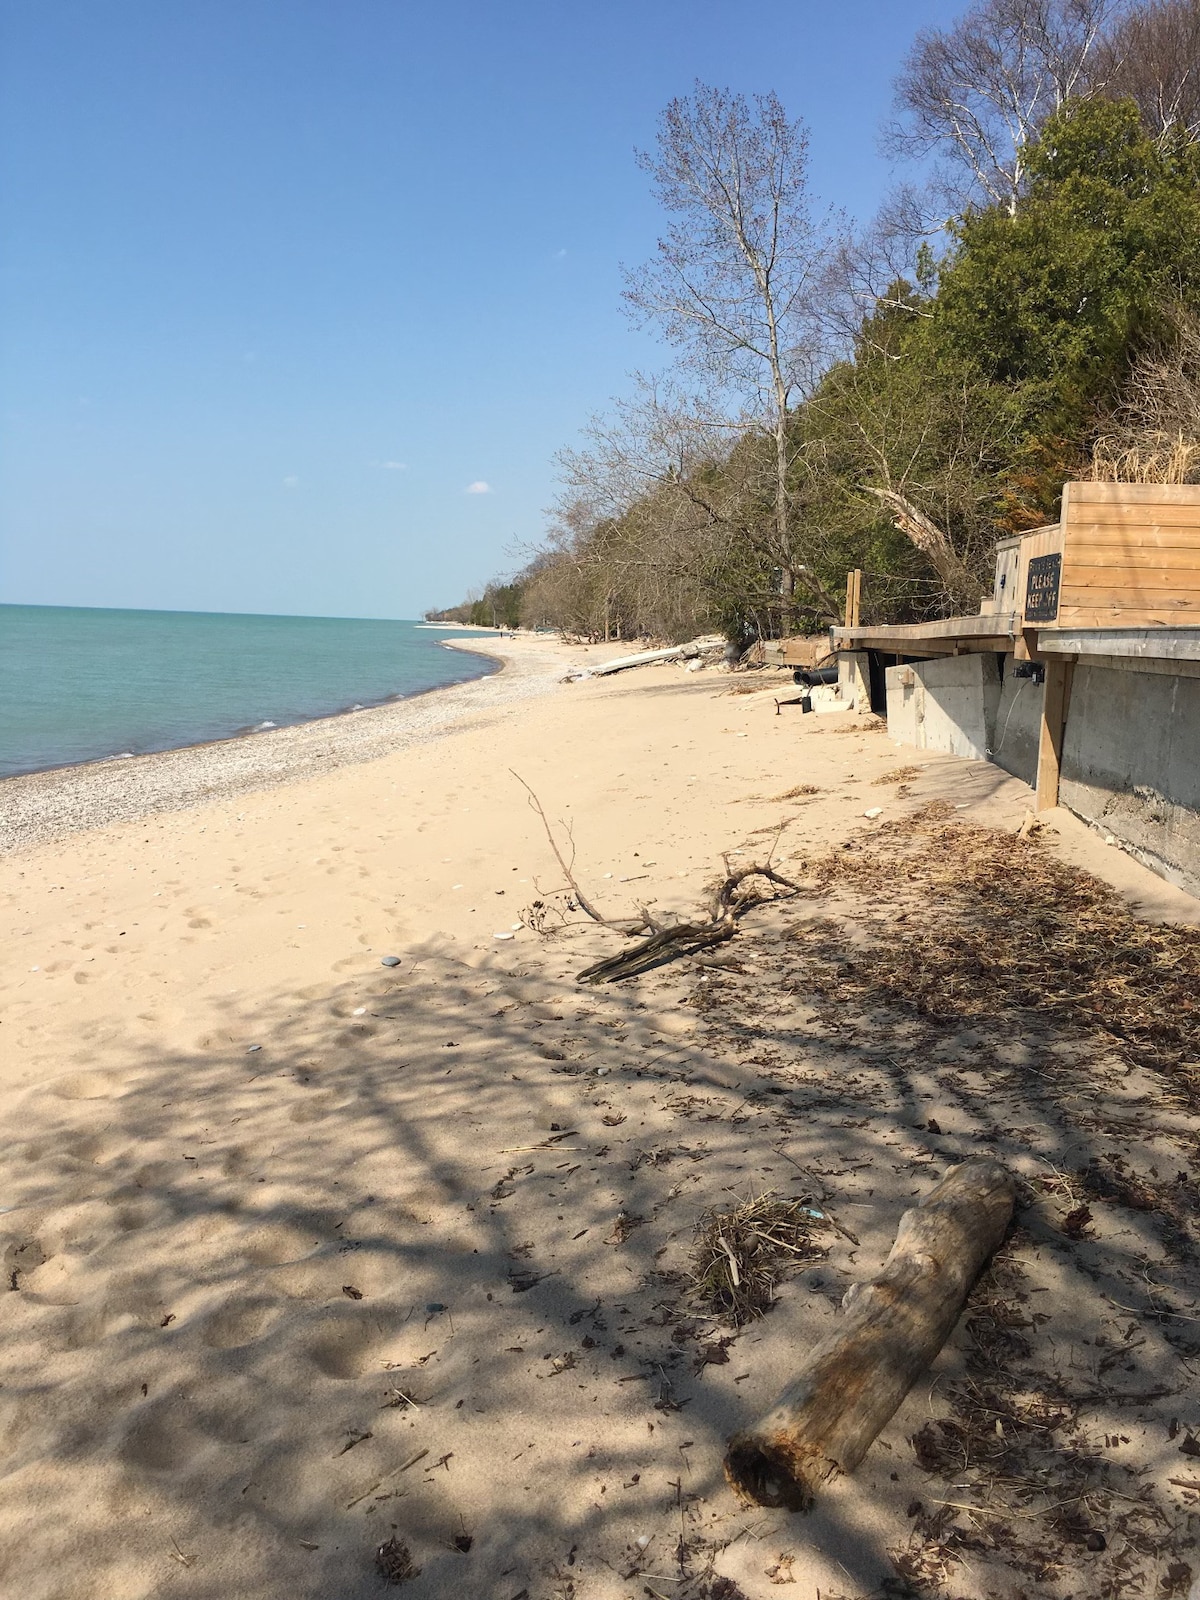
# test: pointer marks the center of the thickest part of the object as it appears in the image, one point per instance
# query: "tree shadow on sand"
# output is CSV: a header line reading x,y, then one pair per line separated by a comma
x,y
409,1259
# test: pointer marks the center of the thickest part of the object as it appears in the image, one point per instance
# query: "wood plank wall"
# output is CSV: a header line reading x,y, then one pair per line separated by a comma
x,y
1131,556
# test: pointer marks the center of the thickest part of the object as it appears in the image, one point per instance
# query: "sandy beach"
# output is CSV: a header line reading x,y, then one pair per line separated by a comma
x,y
304,1253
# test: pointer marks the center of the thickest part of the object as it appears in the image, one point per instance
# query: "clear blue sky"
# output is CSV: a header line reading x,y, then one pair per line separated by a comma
x,y
281,279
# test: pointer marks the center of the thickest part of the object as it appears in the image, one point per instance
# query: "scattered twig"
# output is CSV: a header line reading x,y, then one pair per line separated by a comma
x,y
394,1473
638,925
740,1254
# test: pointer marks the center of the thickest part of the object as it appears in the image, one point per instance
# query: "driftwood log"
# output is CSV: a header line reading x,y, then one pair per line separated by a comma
x,y
644,658
895,1324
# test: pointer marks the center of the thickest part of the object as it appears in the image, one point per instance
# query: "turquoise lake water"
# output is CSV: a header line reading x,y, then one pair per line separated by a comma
x,y
81,685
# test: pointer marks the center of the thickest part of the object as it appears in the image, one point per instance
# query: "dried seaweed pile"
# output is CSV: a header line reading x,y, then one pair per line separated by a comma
x,y
741,1254
1004,927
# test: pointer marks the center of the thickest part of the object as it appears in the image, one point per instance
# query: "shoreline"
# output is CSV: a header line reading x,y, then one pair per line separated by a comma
x,y
268,726
53,803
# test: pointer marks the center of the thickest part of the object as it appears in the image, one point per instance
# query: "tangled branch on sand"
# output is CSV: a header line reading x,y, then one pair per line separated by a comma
x,y
1006,927
741,1254
730,902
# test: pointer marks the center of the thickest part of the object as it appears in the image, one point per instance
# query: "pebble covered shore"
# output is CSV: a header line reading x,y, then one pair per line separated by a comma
x,y
37,807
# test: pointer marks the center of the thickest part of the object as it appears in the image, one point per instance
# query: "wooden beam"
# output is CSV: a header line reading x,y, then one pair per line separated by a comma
x,y
1054,715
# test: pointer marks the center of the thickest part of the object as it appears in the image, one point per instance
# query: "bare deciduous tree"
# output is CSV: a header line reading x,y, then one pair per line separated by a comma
x,y
739,281
1153,56
973,96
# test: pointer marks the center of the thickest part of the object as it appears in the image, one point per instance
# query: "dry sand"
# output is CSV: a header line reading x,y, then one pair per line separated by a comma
x,y
304,1253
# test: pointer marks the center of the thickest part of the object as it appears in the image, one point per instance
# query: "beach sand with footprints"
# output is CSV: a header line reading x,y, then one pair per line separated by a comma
x,y
305,1255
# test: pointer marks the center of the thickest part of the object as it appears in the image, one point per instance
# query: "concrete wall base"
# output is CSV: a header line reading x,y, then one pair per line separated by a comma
x,y
854,679
1018,725
1131,765
1131,747
948,704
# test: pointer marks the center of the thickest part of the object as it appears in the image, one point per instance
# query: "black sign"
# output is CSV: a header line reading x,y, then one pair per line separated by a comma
x,y
1041,588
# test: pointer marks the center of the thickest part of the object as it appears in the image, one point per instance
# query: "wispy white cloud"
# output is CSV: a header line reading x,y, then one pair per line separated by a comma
x,y
394,466
560,255
291,481
478,487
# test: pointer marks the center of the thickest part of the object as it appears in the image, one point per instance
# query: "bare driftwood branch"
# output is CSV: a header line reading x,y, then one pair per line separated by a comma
x,y
640,924
729,904
854,1379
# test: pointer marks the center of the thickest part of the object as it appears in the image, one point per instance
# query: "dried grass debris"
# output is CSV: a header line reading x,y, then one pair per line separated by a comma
x,y
395,1562
742,1253
1004,928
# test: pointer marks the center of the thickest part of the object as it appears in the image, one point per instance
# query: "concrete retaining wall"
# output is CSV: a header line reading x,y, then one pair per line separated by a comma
x,y
1131,764
1018,725
948,704
1131,747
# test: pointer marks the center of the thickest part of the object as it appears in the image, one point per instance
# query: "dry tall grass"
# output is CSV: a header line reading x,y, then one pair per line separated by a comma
x,y
1154,434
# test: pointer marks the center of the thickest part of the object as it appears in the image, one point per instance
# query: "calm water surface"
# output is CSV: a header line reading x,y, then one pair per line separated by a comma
x,y
83,685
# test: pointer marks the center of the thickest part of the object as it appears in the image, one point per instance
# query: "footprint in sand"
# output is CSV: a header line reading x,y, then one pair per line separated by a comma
x,y
86,1086
86,1327
138,1298
346,1346
133,1218
315,1108
238,1323
96,1148
156,1174
277,1244
163,1438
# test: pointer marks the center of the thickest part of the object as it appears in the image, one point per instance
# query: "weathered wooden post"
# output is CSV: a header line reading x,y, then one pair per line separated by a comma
x,y
852,1382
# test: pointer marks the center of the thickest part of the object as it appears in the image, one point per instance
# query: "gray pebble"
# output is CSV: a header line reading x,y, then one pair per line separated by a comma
x,y
389,961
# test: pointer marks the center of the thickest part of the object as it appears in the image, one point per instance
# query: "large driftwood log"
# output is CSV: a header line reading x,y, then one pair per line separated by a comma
x,y
644,658
895,1324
